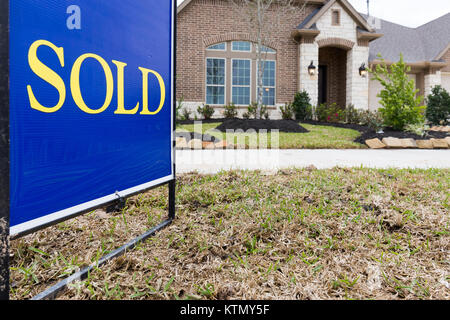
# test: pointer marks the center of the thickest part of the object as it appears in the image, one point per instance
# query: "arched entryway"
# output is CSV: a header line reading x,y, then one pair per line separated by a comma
x,y
333,76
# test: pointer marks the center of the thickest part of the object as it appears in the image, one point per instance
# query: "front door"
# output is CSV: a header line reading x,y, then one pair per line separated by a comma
x,y
323,84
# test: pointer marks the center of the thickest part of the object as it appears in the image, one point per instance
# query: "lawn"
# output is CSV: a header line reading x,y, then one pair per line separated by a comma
x,y
298,234
318,137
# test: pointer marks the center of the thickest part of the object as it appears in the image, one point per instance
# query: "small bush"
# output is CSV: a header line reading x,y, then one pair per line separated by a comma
x,y
230,111
329,113
373,119
418,129
206,111
185,114
287,111
252,111
301,104
399,100
352,115
438,110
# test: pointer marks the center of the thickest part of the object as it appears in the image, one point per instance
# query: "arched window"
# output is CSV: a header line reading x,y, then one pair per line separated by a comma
x,y
232,73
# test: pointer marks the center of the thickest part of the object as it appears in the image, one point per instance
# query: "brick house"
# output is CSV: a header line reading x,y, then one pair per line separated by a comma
x,y
216,59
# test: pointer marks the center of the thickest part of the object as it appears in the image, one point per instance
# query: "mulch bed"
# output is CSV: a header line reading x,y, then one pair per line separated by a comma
x,y
261,124
370,134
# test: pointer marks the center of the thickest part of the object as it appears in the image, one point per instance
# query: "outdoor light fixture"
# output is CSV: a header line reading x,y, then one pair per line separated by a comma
x,y
312,69
363,70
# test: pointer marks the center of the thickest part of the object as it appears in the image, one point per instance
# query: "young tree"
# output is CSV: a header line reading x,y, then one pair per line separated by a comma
x,y
264,19
401,106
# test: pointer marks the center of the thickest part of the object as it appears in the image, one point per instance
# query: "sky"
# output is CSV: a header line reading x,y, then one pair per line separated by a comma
x,y
410,13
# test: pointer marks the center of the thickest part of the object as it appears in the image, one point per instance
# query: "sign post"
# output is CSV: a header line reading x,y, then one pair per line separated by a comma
x,y
4,151
88,117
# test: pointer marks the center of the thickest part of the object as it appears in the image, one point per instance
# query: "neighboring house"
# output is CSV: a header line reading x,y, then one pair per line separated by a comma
x,y
216,59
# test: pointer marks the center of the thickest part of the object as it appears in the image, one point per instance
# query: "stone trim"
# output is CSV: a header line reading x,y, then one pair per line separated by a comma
x,y
336,42
236,36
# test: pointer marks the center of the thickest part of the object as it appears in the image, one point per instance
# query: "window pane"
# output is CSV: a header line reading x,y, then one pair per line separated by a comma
x,y
241,46
241,95
269,74
215,71
268,96
215,95
219,46
241,72
265,49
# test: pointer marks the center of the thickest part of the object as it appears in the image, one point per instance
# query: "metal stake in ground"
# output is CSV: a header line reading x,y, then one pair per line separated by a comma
x,y
4,150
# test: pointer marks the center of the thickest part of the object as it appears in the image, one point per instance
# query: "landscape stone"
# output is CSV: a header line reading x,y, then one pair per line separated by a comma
x,y
375,144
392,143
408,143
195,144
424,144
448,141
208,145
221,145
439,143
181,143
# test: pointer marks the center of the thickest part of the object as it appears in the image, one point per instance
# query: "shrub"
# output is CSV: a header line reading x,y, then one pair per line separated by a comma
x,y
418,129
301,104
185,114
287,111
399,100
373,119
352,115
438,110
206,111
329,113
230,111
252,111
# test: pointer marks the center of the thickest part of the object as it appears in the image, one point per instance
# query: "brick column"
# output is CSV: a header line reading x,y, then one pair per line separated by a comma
x,y
309,52
357,86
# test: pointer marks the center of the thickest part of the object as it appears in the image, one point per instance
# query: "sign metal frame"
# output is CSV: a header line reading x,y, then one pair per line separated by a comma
x,y
23,229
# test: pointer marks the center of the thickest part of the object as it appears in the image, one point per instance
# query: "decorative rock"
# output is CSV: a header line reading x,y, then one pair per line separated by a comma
x,y
392,143
195,144
448,141
408,143
375,144
181,143
439,143
221,145
208,145
424,144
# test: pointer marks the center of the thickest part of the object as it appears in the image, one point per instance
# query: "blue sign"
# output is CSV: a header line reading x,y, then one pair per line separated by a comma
x,y
91,104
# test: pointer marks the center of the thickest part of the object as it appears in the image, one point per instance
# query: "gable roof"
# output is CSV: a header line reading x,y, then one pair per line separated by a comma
x,y
311,19
425,43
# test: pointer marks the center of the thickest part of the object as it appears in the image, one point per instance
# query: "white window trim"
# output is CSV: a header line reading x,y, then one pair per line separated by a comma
x,y
270,87
221,50
240,86
234,50
216,85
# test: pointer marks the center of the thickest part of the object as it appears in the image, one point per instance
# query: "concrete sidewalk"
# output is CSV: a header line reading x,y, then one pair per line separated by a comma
x,y
213,161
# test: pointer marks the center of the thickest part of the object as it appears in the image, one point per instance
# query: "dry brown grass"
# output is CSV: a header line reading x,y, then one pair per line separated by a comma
x,y
300,234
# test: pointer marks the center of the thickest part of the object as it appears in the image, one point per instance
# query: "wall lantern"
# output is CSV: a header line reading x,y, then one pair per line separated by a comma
x,y
363,70
312,69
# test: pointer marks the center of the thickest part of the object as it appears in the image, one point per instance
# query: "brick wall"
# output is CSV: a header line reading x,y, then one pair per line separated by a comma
x,y
204,19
